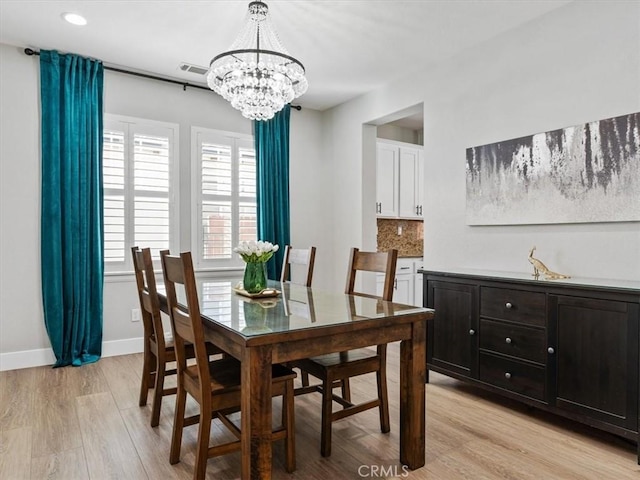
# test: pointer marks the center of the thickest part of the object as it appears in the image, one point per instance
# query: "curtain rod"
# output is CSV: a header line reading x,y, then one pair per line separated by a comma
x,y
30,52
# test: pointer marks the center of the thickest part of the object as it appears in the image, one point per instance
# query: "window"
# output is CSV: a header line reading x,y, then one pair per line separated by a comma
x,y
138,178
224,189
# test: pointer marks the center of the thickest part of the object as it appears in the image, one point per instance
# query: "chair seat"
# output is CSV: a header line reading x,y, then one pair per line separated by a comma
x,y
339,358
169,348
339,365
226,374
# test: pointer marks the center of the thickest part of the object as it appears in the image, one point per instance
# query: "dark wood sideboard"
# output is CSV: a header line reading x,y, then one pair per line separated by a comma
x,y
570,346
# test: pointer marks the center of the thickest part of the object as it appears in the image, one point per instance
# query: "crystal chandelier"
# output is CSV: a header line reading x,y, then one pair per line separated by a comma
x,y
257,75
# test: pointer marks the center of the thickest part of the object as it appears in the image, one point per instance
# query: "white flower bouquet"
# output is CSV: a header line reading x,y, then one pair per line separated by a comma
x,y
256,252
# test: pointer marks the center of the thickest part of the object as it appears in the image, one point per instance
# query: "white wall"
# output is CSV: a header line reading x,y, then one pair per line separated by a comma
x,y
21,322
23,338
579,63
311,205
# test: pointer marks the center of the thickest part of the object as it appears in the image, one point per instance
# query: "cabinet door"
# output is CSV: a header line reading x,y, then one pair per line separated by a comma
x,y
387,170
403,289
420,182
408,199
452,340
596,358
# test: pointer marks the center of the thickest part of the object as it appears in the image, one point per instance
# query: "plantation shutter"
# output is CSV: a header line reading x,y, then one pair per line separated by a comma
x,y
137,159
225,195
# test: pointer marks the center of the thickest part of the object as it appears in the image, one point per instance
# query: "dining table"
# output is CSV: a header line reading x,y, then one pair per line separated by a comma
x,y
290,322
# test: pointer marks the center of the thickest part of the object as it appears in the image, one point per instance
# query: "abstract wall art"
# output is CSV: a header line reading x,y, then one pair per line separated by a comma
x,y
580,174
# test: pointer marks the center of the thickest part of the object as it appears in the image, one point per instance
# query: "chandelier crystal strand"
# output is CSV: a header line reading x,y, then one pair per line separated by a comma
x,y
257,75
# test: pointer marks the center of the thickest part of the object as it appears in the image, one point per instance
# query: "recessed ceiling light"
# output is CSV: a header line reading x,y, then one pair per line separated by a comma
x,y
74,18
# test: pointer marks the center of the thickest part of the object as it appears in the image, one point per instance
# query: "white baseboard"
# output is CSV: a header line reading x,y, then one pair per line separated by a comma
x,y
45,356
114,348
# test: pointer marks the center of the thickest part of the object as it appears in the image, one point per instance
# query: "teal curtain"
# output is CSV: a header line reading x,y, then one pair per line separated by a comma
x,y
272,170
71,212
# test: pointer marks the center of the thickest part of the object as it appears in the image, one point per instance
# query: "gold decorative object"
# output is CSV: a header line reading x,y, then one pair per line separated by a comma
x,y
539,267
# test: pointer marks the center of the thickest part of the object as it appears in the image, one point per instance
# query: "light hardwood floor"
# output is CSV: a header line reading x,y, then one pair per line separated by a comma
x,y
78,423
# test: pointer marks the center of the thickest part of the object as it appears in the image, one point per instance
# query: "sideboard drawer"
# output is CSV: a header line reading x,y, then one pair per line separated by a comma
x,y
513,305
512,375
514,340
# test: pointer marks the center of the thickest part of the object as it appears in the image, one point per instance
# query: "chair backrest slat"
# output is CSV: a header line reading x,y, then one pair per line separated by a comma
x,y
298,256
379,262
147,303
182,324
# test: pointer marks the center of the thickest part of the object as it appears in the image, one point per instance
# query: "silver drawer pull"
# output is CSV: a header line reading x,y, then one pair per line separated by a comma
x,y
509,305
508,340
472,332
507,375
551,350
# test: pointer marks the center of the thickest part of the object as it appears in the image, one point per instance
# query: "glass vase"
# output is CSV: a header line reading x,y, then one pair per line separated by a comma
x,y
255,277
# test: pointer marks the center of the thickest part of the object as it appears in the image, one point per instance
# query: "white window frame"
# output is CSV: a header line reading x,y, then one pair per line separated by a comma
x,y
130,126
235,141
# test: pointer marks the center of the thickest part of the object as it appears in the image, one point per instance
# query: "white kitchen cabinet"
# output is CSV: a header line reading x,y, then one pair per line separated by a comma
x,y
399,180
403,283
387,171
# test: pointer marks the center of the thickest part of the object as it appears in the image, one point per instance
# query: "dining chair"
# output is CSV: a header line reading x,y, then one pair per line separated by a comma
x,y
340,366
158,351
304,257
214,385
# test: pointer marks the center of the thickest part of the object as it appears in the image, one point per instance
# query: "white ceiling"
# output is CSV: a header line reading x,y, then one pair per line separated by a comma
x,y
348,47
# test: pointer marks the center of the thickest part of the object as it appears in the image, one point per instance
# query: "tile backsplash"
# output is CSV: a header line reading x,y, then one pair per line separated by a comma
x,y
407,236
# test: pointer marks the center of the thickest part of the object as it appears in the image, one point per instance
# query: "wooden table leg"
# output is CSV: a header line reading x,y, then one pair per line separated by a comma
x,y
412,402
256,413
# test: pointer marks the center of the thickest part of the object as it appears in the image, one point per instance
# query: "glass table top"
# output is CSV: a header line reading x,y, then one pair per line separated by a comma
x,y
295,308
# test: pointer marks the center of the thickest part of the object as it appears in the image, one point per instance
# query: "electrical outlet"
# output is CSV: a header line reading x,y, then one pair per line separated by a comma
x,y
135,315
